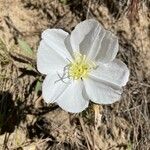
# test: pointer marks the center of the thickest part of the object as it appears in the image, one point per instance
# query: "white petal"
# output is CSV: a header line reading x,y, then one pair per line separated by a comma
x,y
55,39
91,43
53,87
83,30
72,99
48,60
108,49
115,72
102,92
68,46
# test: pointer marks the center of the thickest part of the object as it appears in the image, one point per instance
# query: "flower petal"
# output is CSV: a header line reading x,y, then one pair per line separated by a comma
x,y
48,60
115,72
68,46
108,49
53,87
84,29
55,39
102,92
91,43
72,99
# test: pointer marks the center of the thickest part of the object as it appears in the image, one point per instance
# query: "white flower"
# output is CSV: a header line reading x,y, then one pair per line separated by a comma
x,y
81,66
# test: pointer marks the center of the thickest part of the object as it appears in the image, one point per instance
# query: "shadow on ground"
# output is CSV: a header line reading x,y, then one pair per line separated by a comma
x,y
8,113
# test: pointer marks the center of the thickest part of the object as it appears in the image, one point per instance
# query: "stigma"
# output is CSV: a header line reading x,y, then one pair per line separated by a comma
x,y
80,67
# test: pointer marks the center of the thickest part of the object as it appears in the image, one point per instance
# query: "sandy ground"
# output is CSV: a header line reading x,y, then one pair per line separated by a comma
x,y
27,123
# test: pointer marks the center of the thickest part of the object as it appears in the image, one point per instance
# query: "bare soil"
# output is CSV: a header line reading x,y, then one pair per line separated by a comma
x,y
28,123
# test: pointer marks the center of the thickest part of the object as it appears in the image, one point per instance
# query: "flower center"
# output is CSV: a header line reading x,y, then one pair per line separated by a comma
x,y
80,67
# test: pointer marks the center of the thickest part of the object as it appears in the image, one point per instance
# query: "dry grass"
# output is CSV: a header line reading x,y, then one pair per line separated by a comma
x,y
27,123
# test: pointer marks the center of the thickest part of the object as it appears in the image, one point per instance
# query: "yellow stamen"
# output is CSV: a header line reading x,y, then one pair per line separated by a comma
x,y
80,67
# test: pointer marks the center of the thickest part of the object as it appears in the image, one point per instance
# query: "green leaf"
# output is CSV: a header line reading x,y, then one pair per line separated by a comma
x,y
63,1
25,47
38,86
129,146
